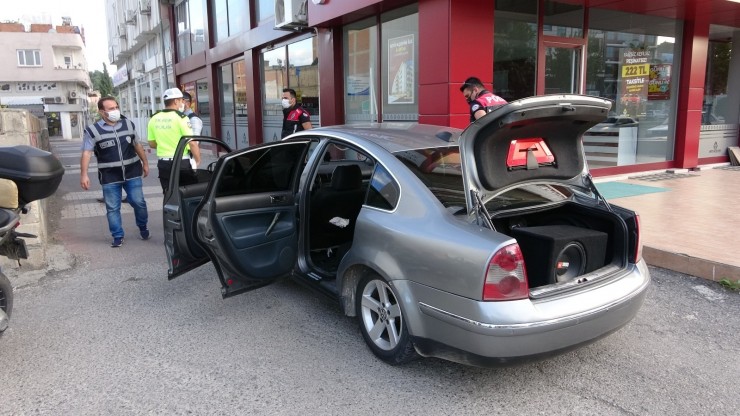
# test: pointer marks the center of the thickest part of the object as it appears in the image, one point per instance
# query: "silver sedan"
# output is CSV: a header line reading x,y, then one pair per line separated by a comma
x,y
486,246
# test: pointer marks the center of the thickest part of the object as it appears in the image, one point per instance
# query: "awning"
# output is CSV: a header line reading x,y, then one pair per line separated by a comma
x,y
22,100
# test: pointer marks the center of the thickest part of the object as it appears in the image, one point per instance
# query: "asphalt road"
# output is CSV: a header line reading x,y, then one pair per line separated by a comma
x,y
102,331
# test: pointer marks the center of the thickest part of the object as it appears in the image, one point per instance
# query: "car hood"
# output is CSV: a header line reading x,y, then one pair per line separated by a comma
x,y
559,120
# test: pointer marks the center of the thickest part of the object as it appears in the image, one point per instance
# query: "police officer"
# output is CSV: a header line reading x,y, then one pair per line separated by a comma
x,y
121,164
480,100
295,117
165,129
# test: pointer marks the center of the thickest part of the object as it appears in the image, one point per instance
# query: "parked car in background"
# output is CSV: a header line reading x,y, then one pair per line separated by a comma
x,y
487,246
612,124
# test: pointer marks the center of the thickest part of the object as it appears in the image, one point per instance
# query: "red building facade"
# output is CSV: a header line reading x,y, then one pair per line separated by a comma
x,y
668,67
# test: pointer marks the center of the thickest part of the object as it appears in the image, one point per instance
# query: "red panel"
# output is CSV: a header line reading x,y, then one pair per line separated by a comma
x,y
471,46
434,44
331,78
435,99
460,121
436,120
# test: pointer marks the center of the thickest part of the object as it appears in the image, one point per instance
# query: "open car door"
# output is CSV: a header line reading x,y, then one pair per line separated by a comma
x,y
184,253
247,222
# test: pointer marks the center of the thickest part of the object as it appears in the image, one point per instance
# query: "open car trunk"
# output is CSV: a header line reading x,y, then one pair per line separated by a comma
x,y
572,243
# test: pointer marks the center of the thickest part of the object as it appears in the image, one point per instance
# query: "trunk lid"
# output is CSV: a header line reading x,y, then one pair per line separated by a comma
x,y
536,139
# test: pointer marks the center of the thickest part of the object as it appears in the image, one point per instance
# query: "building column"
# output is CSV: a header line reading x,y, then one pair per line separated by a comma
x,y
457,44
694,47
331,76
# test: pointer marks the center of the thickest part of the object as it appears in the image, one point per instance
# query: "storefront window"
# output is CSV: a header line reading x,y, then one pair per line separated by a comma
x,y
234,105
231,17
399,64
303,75
515,49
562,19
190,27
720,109
293,66
715,109
203,107
360,89
274,79
265,9
632,60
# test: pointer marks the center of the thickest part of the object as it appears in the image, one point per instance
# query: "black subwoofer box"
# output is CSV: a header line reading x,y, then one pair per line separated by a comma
x,y
555,253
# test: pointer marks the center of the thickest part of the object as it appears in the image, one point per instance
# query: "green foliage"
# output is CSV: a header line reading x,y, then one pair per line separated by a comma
x,y
102,81
729,284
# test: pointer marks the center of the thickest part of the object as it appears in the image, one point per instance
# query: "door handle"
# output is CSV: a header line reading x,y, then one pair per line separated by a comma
x,y
277,199
272,225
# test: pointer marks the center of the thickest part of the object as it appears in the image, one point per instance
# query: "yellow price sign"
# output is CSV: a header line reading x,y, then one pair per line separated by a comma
x,y
640,70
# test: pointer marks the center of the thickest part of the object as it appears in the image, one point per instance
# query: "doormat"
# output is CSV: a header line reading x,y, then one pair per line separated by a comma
x,y
735,168
613,190
664,176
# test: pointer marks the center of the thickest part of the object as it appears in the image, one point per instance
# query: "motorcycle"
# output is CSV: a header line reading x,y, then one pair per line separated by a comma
x,y
27,174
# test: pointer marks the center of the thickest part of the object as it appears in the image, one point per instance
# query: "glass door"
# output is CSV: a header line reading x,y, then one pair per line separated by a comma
x,y
563,70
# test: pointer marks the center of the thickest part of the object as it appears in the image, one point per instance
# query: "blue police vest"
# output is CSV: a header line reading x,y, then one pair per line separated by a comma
x,y
114,150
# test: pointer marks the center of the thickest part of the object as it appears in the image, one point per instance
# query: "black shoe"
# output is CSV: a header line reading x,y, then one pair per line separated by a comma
x,y
117,242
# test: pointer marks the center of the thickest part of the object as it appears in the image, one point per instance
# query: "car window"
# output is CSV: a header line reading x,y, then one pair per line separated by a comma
x,y
440,170
267,169
384,192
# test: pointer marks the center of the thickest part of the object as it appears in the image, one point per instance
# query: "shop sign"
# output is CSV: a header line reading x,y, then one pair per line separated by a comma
x,y
401,65
659,86
634,74
120,76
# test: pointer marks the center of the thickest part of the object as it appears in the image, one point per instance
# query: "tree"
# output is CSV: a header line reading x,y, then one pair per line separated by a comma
x,y
102,81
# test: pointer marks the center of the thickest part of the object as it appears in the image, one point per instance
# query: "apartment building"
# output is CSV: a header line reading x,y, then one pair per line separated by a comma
x,y
44,70
142,57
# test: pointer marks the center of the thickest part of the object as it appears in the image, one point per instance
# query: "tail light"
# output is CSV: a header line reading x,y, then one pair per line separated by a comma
x,y
506,277
638,243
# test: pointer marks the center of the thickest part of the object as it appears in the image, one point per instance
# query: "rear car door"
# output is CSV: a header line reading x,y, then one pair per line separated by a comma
x,y
248,221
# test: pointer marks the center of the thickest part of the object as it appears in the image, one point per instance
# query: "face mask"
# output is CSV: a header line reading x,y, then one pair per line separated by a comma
x,y
181,108
285,103
114,115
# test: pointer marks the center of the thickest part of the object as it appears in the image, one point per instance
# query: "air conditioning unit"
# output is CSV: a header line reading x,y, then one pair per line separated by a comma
x,y
58,100
291,14
121,30
73,94
141,68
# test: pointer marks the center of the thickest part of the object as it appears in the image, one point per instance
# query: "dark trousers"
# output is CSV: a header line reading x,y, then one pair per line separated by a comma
x,y
187,174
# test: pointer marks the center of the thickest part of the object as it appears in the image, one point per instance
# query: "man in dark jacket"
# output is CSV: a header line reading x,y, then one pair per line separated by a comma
x,y
121,164
480,100
295,117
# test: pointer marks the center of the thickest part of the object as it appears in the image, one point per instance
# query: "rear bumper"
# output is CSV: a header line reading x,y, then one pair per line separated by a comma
x,y
499,333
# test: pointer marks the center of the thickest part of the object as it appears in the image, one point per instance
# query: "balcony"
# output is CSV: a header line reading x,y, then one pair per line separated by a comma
x,y
145,7
131,17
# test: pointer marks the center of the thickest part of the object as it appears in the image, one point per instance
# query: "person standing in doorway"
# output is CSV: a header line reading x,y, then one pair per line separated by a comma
x,y
121,165
480,100
195,121
295,117
164,131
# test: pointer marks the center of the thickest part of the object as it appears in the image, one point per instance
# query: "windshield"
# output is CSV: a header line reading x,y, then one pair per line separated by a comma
x,y
441,171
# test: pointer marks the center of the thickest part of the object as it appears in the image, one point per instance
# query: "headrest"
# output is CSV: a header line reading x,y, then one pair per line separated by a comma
x,y
346,177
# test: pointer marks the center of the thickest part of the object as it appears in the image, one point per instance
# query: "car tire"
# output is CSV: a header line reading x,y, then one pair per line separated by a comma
x,y
381,321
6,298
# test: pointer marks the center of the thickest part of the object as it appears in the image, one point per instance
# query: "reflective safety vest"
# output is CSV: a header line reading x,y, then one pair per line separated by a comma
x,y
114,150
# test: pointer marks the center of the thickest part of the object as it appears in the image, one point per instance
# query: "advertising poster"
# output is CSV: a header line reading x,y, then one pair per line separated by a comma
x,y
659,86
634,74
401,70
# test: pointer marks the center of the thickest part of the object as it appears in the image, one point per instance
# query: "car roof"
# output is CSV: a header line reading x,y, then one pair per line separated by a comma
x,y
397,137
